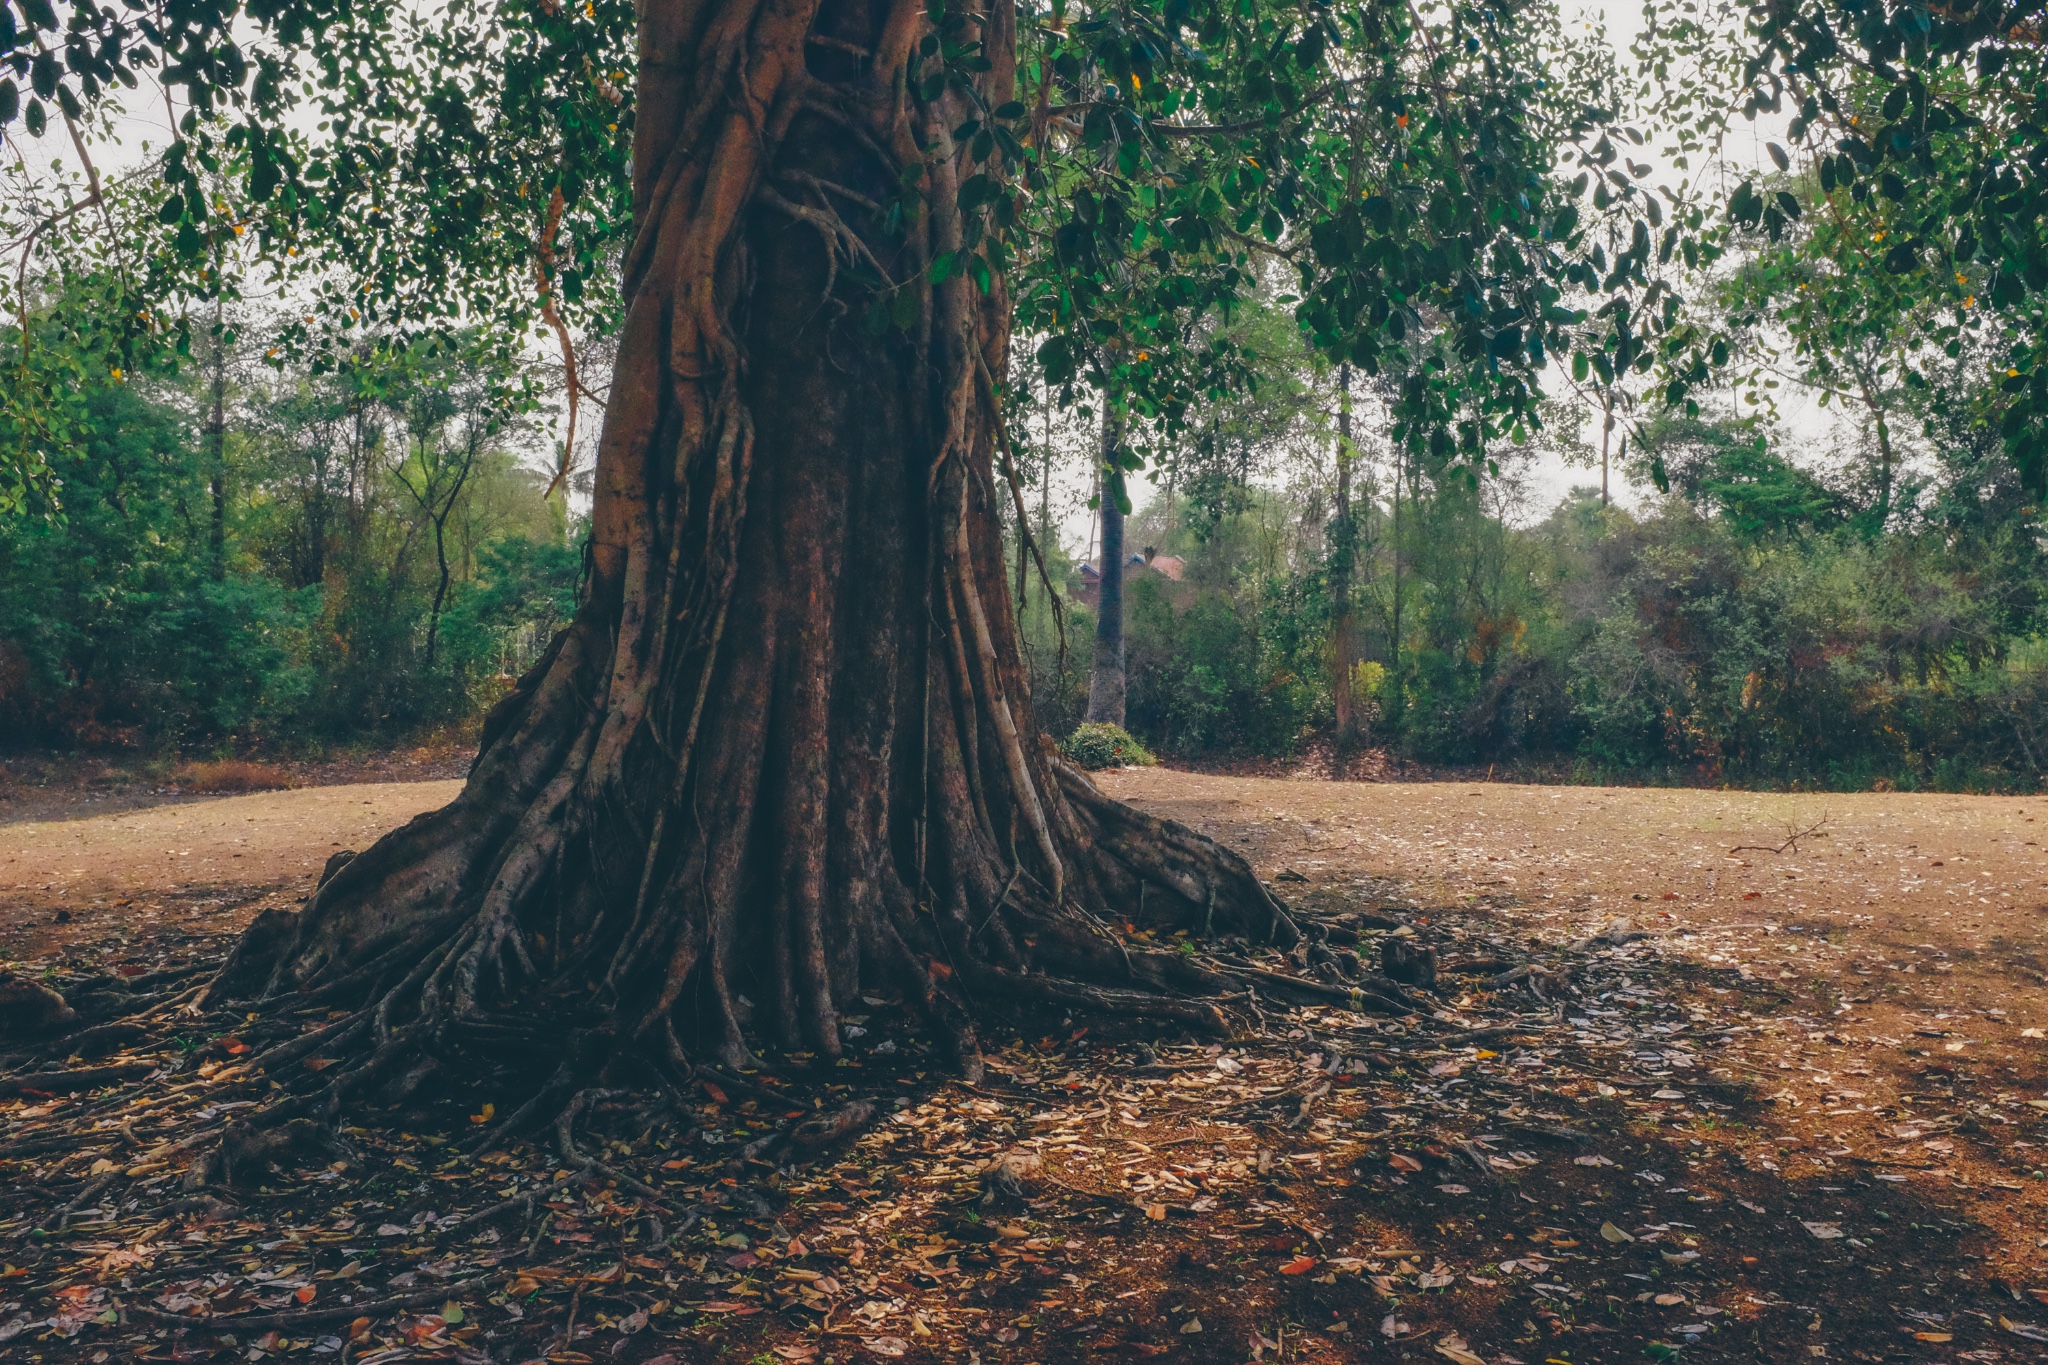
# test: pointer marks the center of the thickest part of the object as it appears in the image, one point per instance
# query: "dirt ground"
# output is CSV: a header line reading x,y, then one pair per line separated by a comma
x,y
1911,930
195,868
1771,1087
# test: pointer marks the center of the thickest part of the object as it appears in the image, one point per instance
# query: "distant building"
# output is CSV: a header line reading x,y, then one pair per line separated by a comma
x,y
1169,567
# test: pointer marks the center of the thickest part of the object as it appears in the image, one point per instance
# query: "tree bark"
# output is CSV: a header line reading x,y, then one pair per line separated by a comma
x,y
1107,680
785,750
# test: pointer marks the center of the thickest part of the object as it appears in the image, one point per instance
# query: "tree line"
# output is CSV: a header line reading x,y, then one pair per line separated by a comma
x,y
236,552
1845,606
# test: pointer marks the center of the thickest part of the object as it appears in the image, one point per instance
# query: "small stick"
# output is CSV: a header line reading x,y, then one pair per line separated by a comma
x,y
569,1329
1791,839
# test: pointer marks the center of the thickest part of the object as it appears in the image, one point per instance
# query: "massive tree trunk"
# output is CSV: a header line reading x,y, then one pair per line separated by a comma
x,y
785,750
1107,679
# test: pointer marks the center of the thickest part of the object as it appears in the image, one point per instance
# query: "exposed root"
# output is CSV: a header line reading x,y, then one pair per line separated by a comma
x,y
309,1317
71,1082
247,1148
837,1125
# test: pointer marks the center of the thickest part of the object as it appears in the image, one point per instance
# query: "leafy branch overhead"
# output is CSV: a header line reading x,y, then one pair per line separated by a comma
x,y
1440,190
1909,201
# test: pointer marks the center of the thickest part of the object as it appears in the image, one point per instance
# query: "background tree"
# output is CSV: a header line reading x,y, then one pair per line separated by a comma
x,y
1106,677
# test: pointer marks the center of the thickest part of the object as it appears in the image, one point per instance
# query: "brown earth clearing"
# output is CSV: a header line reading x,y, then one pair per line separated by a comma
x,y
1707,1075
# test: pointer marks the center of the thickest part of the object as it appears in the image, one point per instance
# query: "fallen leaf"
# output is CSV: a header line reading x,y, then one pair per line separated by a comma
x,y
1826,1232
886,1346
1300,1265
1400,1161
1614,1234
1190,1327
1457,1352
2022,1329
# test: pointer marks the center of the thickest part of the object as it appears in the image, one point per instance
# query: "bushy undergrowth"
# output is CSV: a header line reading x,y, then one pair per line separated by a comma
x,y
283,587
1671,645
1098,744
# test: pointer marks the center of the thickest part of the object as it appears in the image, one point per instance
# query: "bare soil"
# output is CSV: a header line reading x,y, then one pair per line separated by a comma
x,y
191,867
1756,1098
43,785
1907,936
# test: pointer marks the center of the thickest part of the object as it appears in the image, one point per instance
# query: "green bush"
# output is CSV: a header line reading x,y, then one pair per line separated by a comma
x,y
284,586
1099,745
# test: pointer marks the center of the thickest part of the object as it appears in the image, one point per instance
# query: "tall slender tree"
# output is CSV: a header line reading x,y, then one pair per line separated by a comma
x,y
1343,563
1107,679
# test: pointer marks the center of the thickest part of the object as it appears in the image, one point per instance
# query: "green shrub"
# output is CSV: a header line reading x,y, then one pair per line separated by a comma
x,y
1099,745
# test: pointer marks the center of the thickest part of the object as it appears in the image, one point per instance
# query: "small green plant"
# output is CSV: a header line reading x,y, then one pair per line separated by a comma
x,y
1101,745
